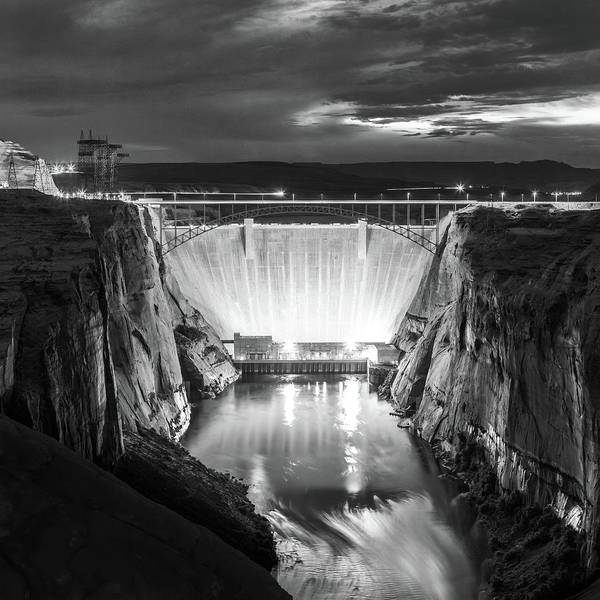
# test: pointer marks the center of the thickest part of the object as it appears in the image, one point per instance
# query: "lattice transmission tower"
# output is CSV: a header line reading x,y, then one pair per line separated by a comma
x,y
39,182
12,180
98,161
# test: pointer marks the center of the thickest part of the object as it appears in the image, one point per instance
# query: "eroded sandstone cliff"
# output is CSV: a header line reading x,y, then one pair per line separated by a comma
x,y
204,361
92,331
501,345
87,342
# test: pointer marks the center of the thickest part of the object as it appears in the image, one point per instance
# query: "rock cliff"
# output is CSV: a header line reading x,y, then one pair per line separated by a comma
x,y
20,169
92,331
204,361
87,342
68,529
500,345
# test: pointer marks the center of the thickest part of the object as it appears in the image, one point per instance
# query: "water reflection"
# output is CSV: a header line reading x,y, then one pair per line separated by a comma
x,y
289,391
357,507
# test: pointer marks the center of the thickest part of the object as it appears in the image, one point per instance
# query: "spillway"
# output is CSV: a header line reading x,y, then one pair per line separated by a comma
x,y
300,282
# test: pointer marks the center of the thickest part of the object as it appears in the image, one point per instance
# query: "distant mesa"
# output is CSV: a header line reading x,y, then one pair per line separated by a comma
x,y
23,170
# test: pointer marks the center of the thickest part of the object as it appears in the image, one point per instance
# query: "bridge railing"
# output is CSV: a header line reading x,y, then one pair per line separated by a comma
x,y
310,209
343,209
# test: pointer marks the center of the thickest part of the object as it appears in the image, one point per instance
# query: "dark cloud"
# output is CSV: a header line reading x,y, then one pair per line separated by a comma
x,y
57,111
322,80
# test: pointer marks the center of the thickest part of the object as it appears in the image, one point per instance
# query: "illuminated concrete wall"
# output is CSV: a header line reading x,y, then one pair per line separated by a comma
x,y
300,282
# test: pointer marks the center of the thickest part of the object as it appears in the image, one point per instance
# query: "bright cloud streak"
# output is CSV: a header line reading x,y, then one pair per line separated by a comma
x,y
293,15
462,112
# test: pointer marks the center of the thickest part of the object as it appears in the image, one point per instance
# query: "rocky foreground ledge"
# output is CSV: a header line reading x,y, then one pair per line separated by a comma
x,y
166,473
69,529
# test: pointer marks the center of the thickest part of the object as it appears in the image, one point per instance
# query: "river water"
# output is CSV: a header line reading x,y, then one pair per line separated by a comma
x,y
357,506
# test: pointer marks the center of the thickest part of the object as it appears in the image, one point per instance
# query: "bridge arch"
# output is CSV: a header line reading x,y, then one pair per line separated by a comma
x,y
299,209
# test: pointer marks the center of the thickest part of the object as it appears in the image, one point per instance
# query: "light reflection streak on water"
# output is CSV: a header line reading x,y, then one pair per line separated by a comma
x,y
355,505
289,391
349,413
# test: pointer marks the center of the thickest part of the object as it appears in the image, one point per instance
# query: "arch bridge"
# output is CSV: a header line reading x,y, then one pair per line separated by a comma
x,y
241,213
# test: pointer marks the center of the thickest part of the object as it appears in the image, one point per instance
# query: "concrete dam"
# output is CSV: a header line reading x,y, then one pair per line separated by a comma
x,y
301,282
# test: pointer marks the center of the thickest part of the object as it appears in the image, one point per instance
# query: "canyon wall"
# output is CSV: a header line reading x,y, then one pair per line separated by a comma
x,y
87,342
500,346
92,330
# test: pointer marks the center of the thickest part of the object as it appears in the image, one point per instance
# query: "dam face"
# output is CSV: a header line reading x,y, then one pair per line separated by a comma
x,y
317,282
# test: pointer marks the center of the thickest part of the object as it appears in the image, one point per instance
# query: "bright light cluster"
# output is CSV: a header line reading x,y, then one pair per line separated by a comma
x,y
94,195
62,168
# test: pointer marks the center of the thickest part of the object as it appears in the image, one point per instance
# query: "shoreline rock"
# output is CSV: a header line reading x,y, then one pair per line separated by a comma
x,y
166,473
69,529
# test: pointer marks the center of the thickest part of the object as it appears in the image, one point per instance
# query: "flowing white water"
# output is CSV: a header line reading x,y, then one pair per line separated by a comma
x,y
303,283
356,504
373,552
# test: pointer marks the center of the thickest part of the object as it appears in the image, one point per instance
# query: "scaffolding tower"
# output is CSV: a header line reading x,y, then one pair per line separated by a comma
x,y
98,161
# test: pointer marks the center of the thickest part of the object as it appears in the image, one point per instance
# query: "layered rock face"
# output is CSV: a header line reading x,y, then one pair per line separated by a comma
x,y
87,346
27,170
501,344
204,361
92,331
71,530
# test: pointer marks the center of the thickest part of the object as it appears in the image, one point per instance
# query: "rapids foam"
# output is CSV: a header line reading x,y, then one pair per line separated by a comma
x,y
395,549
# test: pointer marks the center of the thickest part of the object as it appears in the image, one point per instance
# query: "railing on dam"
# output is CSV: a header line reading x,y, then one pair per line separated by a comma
x,y
319,210
302,367
187,215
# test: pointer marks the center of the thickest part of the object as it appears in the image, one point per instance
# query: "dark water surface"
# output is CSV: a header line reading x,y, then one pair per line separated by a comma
x,y
356,503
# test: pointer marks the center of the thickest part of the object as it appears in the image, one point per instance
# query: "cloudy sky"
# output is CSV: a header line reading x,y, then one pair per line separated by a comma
x,y
312,80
